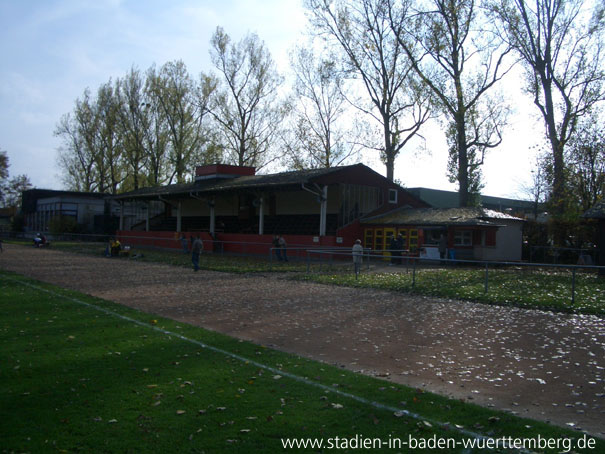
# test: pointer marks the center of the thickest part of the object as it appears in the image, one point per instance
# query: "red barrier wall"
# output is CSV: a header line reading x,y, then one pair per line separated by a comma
x,y
230,242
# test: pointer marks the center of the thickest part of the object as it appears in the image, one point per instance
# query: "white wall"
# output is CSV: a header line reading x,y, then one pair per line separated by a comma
x,y
509,243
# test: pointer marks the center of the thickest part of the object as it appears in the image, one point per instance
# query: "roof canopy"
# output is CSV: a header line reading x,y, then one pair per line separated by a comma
x,y
596,212
442,217
356,174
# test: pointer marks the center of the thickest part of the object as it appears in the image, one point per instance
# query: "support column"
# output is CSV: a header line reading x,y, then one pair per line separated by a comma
x,y
324,211
261,216
147,217
178,216
212,217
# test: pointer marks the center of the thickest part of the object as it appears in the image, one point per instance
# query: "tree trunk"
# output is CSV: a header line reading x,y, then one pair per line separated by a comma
x,y
558,187
463,198
388,147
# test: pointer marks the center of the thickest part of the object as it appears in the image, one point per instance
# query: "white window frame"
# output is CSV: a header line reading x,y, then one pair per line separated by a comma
x,y
463,238
393,195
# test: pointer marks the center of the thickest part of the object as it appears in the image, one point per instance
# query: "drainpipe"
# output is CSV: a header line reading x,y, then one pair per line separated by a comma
x,y
322,196
261,216
121,215
147,218
323,211
178,211
212,215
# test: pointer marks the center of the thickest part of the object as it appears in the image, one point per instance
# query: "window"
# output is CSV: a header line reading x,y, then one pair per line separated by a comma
x,y
355,201
463,238
413,240
392,195
369,239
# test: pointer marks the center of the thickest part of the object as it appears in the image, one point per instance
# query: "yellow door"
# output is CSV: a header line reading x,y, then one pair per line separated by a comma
x,y
404,235
378,239
368,238
388,236
413,244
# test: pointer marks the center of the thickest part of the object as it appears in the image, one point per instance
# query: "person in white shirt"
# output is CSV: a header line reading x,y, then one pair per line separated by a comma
x,y
357,253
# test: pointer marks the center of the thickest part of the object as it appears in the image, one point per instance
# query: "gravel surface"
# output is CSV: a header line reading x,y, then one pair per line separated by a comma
x,y
542,365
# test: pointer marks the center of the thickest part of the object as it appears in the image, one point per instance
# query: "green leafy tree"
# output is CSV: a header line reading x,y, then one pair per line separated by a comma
x,y
11,189
74,158
3,173
174,93
133,121
585,154
3,165
109,153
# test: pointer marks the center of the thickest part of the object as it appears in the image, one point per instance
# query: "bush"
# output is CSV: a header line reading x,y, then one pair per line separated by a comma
x,y
64,224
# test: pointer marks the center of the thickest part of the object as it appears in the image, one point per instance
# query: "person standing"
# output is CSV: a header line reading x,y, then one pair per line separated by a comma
x,y
184,244
282,246
399,249
357,253
442,246
277,247
393,249
196,250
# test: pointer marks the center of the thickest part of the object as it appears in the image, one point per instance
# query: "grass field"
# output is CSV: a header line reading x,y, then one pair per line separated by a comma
x,y
208,261
80,374
528,287
535,289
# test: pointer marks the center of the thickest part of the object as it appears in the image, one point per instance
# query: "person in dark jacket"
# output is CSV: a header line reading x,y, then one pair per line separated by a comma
x,y
196,250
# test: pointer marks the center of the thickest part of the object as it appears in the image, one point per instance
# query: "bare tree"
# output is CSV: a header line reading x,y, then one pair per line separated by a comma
x,y
374,56
459,58
321,137
174,92
561,45
245,105
212,148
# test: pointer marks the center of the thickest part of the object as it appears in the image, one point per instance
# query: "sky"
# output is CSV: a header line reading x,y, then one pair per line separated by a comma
x,y
52,50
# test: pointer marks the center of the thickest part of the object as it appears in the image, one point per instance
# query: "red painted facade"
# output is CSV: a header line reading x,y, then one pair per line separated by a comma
x,y
224,169
233,243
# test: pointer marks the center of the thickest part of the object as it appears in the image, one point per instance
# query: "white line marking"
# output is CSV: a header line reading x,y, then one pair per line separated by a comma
x,y
266,367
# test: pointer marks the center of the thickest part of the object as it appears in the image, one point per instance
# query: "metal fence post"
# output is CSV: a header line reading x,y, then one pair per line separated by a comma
x,y
414,272
573,286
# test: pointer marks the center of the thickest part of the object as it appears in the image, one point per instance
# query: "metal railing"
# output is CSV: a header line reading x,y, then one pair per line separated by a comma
x,y
413,264
330,259
561,254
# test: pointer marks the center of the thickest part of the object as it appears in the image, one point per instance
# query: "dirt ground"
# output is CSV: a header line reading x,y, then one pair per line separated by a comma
x,y
536,364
